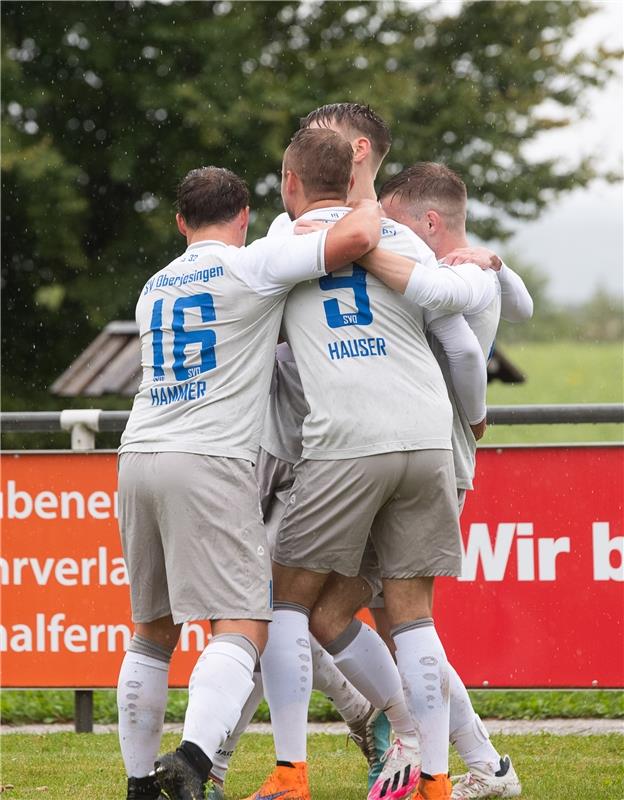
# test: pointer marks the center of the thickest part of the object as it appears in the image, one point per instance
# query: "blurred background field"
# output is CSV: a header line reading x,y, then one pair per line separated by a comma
x,y
560,372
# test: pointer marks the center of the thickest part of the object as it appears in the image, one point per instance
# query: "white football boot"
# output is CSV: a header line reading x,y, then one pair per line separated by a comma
x,y
487,783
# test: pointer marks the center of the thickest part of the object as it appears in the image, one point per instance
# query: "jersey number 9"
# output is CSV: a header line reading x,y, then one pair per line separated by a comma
x,y
356,281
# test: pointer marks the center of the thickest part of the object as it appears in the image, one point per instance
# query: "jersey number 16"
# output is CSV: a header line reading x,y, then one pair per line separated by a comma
x,y
205,337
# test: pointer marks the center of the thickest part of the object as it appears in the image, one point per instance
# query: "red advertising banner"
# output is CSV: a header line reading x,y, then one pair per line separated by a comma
x,y
539,603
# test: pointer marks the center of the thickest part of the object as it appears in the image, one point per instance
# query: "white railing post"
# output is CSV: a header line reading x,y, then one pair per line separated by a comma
x,y
83,424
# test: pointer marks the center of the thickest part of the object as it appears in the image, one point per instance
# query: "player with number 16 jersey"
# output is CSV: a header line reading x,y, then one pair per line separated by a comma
x,y
208,323
190,522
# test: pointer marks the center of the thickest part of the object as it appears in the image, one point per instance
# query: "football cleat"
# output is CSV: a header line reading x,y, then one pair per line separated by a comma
x,y
372,736
285,783
399,775
434,787
178,779
487,783
143,789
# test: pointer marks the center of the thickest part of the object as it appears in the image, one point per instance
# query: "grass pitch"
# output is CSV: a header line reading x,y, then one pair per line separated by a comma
x,y
62,766
560,372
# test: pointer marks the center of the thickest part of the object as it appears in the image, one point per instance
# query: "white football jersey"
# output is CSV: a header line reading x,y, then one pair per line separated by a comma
x,y
208,324
287,408
484,324
369,377
282,225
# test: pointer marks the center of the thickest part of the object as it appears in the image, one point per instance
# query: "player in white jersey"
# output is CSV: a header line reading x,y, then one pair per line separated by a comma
x,y
431,200
190,521
361,125
345,434
368,726
275,476
281,447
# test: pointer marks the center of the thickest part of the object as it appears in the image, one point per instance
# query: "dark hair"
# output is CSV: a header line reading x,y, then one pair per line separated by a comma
x,y
357,118
428,185
323,161
209,195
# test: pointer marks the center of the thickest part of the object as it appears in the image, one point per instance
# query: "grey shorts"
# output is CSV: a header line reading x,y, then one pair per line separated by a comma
x,y
407,500
192,537
371,572
275,479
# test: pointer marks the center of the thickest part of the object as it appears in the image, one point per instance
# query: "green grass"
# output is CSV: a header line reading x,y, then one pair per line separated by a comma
x,y
81,766
22,707
564,372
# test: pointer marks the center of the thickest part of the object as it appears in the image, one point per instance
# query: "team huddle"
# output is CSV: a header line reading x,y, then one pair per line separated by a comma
x,y
277,488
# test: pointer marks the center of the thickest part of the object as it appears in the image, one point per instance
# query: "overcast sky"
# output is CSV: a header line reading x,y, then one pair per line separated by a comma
x,y
579,242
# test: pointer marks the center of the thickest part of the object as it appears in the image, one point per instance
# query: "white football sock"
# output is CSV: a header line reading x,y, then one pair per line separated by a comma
x,y
351,705
141,704
287,677
424,670
221,682
468,734
222,756
363,657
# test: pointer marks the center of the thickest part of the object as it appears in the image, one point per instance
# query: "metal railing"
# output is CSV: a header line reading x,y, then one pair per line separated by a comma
x,y
97,420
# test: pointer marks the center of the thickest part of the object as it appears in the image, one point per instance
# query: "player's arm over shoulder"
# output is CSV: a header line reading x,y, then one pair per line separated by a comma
x,y
483,283
433,288
400,239
516,302
272,265
353,235
399,252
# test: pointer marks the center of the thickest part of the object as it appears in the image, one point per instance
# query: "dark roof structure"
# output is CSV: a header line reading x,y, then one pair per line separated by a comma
x,y
111,364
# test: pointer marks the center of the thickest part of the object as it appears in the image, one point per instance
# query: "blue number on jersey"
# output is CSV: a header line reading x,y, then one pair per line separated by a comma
x,y
157,346
182,338
357,281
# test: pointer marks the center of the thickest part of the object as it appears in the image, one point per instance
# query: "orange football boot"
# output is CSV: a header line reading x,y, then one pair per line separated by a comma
x,y
285,783
434,787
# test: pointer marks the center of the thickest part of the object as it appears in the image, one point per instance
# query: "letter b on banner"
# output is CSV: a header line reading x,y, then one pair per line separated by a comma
x,y
604,548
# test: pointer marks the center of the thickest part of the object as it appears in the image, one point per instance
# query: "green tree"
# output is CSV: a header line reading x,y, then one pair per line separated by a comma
x,y
106,105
